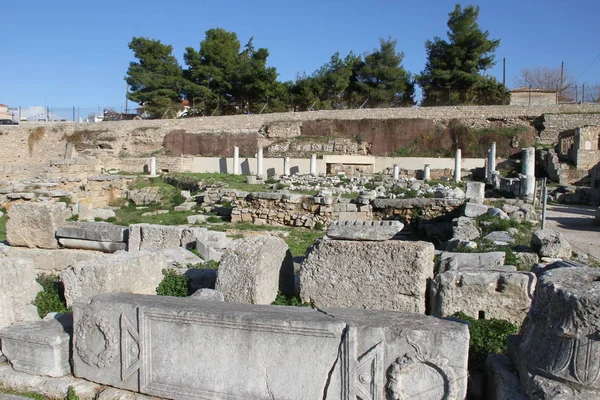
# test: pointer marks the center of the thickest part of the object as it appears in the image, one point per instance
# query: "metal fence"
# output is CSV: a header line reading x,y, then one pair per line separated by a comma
x,y
72,114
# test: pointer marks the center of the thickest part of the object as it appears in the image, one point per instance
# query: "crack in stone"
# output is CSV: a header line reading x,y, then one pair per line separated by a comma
x,y
339,354
271,395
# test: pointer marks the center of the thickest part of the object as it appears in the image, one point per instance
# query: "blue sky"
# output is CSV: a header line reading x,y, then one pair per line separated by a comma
x,y
74,53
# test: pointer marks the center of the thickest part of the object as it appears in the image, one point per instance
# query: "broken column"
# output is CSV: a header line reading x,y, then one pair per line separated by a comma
x,y
491,162
528,170
396,172
457,166
313,164
254,352
236,160
426,172
259,162
286,166
153,166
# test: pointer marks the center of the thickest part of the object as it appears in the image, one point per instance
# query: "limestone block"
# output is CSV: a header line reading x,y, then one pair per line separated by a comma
x,y
39,347
464,228
18,289
556,351
473,210
453,261
139,272
105,247
85,210
178,256
390,275
254,269
187,206
500,238
143,196
103,213
364,230
208,294
496,212
475,192
483,292
97,231
34,224
526,260
133,342
111,393
548,243
196,219
49,260
502,381
160,237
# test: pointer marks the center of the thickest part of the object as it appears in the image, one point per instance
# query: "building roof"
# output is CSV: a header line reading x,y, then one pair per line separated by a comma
x,y
3,105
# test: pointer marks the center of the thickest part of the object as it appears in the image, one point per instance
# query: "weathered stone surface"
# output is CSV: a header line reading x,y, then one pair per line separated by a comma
x,y
34,224
453,261
389,275
549,243
211,245
55,388
147,195
475,192
364,230
556,351
499,238
97,231
105,247
196,219
104,213
178,256
473,210
502,380
208,294
526,260
49,260
464,228
483,292
111,393
254,269
254,352
454,244
139,272
18,289
496,212
39,347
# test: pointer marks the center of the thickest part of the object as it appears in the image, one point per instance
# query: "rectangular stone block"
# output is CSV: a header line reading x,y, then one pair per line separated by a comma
x,y
49,260
388,275
192,349
106,247
451,261
39,347
364,230
475,192
96,231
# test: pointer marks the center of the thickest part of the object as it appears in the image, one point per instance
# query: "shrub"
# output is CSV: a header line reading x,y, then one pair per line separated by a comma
x,y
210,264
173,284
35,136
488,336
52,297
294,301
213,219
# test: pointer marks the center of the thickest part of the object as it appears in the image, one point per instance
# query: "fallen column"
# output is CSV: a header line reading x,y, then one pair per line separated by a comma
x,y
236,351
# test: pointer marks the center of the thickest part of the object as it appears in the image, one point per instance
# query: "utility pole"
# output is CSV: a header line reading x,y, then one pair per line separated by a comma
x,y
562,70
582,93
504,78
126,99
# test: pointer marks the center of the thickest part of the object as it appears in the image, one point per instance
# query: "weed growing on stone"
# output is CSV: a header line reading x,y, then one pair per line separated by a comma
x,y
294,301
3,220
30,395
52,297
488,336
71,394
173,284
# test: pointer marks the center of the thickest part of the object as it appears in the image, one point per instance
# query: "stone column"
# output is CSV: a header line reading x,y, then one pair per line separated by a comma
x,y
236,160
457,166
528,170
426,173
259,162
153,166
313,164
286,166
396,172
491,161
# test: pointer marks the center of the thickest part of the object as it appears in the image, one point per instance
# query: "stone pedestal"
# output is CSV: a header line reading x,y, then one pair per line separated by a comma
x,y
426,172
236,160
259,163
313,164
458,166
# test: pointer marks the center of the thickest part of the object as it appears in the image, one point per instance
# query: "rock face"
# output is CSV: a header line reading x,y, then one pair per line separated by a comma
x,y
255,352
139,272
34,224
550,244
18,289
483,293
364,230
390,275
464,228
556,351
39,347
254,269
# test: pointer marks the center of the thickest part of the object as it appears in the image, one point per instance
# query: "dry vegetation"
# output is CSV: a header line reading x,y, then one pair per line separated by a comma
x,y
35,136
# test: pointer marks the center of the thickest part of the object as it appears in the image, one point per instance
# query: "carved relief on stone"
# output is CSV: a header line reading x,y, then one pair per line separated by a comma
x,y
421,374
96,340
131,349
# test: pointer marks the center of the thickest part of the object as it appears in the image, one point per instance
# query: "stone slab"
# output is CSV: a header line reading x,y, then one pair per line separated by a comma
x,y
364,230
452,261
226,351
389,275
96,231
473,210
39,347
500,238
18,290
34,224
50,260
105,247
475,192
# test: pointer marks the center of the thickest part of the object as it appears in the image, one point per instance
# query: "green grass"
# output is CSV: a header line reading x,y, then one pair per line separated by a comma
x,y
294,301
129,215
30,395
3,220
231,181
52,298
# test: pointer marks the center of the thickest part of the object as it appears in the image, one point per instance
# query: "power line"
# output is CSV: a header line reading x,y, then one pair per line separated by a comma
x,y
588,67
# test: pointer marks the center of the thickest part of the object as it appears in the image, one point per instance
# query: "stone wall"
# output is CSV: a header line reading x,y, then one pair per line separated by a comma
x,y
580,145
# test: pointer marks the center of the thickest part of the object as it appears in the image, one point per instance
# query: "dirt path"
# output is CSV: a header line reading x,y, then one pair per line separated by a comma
x,y
577,225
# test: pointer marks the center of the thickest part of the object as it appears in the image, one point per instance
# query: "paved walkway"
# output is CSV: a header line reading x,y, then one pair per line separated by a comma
x,y
577,225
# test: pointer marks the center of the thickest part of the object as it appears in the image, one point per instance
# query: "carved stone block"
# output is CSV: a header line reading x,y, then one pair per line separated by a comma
x,y
364,230
190,349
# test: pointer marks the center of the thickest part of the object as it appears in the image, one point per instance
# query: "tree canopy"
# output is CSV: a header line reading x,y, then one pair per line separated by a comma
x,y
452,73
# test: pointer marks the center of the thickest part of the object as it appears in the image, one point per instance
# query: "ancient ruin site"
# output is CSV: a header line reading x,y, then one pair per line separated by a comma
x,y
225,257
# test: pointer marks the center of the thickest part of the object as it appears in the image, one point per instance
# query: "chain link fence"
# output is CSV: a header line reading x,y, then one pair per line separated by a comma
x,y
79,114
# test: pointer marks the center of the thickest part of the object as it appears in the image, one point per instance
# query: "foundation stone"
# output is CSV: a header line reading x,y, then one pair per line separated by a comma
x,y
34,224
